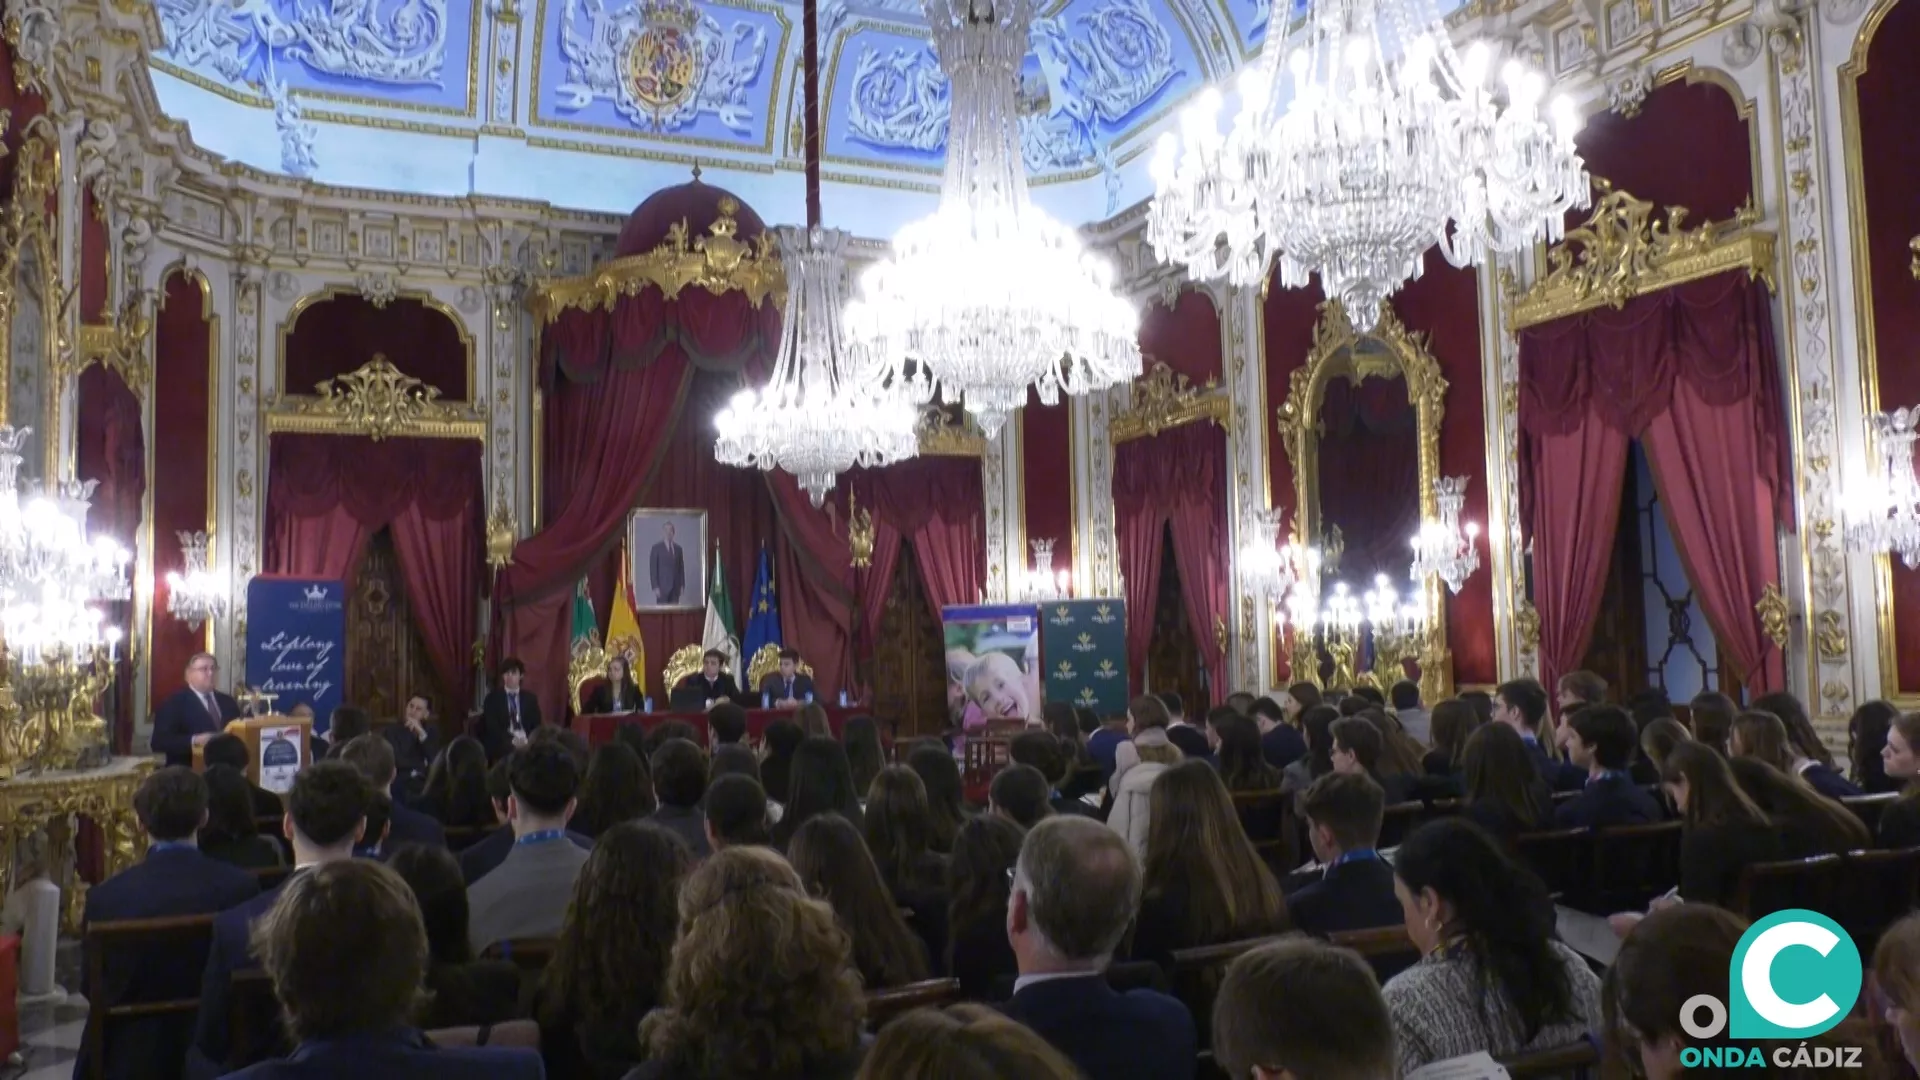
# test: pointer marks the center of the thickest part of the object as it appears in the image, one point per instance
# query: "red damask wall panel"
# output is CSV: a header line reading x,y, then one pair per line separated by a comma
x,y
182,437
416,338
1046,480
1687,146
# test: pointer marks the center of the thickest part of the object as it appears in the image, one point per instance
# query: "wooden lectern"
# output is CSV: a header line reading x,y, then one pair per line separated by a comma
x,y
286,742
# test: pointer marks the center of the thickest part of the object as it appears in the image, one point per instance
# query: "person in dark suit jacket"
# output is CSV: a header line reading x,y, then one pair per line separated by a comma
x,y
510,714
1601,738
787,688
347,954
667,568
1521,705
373,756
194,714
481,858
175,879
617,693
231,750
1075,888
326,814
707,687
416,742
1343,812
1280,742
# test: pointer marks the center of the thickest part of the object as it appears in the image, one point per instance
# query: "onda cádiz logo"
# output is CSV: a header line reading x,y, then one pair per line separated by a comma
x,y
1795,974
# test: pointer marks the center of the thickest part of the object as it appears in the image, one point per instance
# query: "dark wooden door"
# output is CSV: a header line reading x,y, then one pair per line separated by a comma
x,y
1173,654
909,667
386,660
1618,651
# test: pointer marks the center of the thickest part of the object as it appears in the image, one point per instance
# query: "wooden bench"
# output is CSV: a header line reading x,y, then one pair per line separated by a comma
x,y
1386,949
530,955
182,937
270,877
1267,819
1768,887
883,1006
1574,1061
1868,808
253,1020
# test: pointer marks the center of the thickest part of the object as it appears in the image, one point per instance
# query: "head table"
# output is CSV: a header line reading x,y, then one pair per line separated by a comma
x,y
599,728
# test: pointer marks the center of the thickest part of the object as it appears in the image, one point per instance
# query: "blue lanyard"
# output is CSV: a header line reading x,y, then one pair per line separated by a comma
x,y
1605,775
541,837
1363,855
169,845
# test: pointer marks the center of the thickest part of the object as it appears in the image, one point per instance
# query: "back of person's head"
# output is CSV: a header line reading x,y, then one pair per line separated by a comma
x,y
1371,694
1406,694
379,820
1316,725
1795,806
1059,720
1661,736
1481,702
1866,739
172,803
373,756
1040,749
433,875
1148,711
225,749
616,788
865,756
946,793
679,773
761,981
1022,794
1349,806
1762,736
727,722
1649,705
1896,964
1609,734
1586,687
813,720
984,850
1243,764
499,788
737,811
1496,766
1305,694
610,963
1082,886
1197,848
1086,720
782,738
328,803
1711,714
1452,721
345,948
544,778
899,824
1704,786
834,864
962,1042
733,759
1800,733
1265,708
1527,697
345,724
1358,737
660,734
1353,705
1305,1009
1176,705
820,782
229,803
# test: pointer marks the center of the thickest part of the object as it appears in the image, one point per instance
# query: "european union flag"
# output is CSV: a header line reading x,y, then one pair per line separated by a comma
x,y
763,616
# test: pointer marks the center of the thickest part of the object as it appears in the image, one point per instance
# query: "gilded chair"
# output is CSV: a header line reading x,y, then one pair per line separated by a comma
x,y
684,662
765,663
589,662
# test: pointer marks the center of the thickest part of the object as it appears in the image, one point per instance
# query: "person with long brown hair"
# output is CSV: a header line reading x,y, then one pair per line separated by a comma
x,y
1809,823
1710,716
865,755
762,982
834,864
1724,830
978,888
618,788
1866,739
1204,883
1900,821
1761,735
1243,765
946,792
609,965
899,832
1505,794
962,1042
1452,721
1810,759
1659,737
1316,726
821,782
457,786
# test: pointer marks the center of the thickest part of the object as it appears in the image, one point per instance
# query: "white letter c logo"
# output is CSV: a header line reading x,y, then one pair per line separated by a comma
x,y
1756,975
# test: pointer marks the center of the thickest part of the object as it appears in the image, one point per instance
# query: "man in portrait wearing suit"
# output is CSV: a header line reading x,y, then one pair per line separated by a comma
x,y
1355,892
174,879
705,688
787,688
192,716
667,568
509,715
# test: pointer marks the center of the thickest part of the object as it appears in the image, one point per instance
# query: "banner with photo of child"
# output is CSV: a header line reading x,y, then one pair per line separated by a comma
x,y
993,663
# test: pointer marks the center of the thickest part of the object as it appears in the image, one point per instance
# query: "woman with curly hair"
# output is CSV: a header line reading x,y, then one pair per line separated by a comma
x,y
609,967
762,981
963,1042
456,790
833,862
617,788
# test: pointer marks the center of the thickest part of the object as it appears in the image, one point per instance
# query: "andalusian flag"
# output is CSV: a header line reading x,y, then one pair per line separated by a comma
x,y
720,633
586,628
623,629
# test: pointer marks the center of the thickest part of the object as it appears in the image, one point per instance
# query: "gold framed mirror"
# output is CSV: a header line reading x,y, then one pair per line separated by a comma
x,y
1362,513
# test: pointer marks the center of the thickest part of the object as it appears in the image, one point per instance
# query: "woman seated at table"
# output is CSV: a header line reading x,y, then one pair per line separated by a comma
x,y
617,693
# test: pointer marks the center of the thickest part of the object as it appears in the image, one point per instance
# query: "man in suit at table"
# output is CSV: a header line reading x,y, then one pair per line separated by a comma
x,y
510,714
192,715
326,816
705,688
1355,892
787,688
1076,886
174,879
667,568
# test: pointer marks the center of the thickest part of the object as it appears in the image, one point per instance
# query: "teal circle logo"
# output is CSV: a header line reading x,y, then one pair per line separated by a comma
x,y
1795,974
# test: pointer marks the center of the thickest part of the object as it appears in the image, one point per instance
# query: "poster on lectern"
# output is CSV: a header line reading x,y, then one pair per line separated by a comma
x,y
297,643
993,663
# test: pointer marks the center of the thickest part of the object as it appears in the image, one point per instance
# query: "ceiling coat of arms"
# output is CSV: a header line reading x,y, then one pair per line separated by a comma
x,y
662,63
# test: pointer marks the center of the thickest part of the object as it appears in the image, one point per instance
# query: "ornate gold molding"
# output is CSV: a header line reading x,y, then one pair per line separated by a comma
x,y
502,532
121,345
379,401
859,535
1914,246
1625,250
948,433
1163,400
1772,609
718,262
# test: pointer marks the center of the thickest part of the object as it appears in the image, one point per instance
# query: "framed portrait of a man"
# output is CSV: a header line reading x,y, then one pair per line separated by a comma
x,y
668,554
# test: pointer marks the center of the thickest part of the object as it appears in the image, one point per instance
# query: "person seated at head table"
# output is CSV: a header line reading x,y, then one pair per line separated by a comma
x,y
787,688
617,693
707,687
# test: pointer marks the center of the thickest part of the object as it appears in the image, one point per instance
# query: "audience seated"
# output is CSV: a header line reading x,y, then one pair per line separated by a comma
x,y
1203,882
1900,822
946,794
1808,822
1453,720
736,813
761,982
373,756
962,1042
865,756
1182,732
1139,764
821,783
1343,813
464,991
1280,741
231,751
1579,689
1866,740
733,759
899,834
1600,739
609,967
1896,982
978,953
1020,794
1104,746
1659,737
1710,717
1505,794
1242,758
379,826
456,791
478,860
1049,755
1316,725
347,954
1414,719
1147,725
782,739
1808,757
1302,1010
1400,754
1076,886
345,724
1492,976
1071,771
231,834
526,895
813,720
832,862
1521,704
326,815
726,725
617,788
1725,831
175,878
416,743
680,781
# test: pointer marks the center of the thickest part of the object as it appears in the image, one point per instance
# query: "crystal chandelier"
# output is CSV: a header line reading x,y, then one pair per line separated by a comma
x,y
1374,142
1885,516
817,417
51,573
1265,570
990,295
1445,547
197,595
1043,582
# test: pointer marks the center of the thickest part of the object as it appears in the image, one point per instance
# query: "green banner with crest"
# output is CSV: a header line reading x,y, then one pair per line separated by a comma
x,y
1083,650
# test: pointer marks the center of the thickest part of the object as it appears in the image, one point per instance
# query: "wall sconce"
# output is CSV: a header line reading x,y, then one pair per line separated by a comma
x,y
1883,514
1445,547
198,595
1043,582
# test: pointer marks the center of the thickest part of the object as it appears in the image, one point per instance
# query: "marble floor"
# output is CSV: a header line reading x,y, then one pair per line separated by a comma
x,y
49,1039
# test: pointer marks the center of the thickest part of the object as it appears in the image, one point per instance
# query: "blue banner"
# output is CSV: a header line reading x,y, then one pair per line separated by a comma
x,y
297,643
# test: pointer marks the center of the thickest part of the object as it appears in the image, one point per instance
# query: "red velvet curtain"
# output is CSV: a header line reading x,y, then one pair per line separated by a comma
x,y
817,580
1176,480
340,333
1690,370
112,450
938,505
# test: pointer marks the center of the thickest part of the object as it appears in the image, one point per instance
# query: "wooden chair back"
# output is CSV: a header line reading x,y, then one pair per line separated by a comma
x,y
179,938
1399,820
1562,857
1267,819
1574,1061
270,877
253,1020
1875,889
530,955
1869,807
885,1005
1632,864
1386,949
1791,883
1195,976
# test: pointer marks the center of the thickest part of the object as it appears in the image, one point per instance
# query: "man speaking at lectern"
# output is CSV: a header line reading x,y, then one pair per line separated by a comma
x,y
193,715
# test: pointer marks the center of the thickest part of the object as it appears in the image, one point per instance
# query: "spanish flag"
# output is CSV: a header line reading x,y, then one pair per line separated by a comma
x,y
623,629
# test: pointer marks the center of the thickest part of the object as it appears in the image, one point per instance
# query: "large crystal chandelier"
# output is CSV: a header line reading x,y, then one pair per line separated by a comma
x,y
1885,515
52,575
1373,142
1446,547
817,417
990,295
